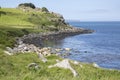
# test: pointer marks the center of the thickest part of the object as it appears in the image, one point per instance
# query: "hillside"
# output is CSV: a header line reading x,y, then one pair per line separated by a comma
x,y
31,18
16,22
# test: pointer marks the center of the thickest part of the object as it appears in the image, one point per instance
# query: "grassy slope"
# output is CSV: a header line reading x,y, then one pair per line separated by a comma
x,y
14,23
18,18
15,68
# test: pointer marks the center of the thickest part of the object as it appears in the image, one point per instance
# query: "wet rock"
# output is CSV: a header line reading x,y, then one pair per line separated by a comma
x,y
85,51
58,50
65,54
67,49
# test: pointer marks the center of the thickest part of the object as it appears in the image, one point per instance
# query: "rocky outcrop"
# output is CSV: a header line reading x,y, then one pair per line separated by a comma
x,y
66,65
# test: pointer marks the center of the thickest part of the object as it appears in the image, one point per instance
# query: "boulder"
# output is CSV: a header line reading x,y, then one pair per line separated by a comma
x,y
95,65
67,49
10,50
33,65
64,64
42,57
8,53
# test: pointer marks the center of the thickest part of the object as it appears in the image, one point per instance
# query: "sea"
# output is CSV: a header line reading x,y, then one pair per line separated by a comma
x,y
101,47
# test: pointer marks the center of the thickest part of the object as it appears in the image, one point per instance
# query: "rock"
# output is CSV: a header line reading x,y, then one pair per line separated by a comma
x,y
8,53
95,65
76,62
42,57
33,65
85,51
65,54
58,50
67,49
57,60
46,51
66,65
53,51
10,50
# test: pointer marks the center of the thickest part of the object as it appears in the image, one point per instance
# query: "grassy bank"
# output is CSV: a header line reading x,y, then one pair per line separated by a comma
x,y
16,23
15,68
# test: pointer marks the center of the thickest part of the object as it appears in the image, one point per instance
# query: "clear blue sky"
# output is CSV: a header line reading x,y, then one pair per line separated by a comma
x,y
83,10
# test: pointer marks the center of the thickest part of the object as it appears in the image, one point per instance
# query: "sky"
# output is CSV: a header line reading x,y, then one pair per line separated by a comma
x,y
82,10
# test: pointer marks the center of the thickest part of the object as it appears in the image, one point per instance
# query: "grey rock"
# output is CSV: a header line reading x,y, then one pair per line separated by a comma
x,y
8,53
10,50
33,65
96,65
66,65
42,57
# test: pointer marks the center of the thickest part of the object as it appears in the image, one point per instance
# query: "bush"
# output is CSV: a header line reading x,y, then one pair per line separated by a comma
x,y
44,9
31,5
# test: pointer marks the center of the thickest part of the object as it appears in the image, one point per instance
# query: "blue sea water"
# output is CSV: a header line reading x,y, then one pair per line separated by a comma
x,y
101,47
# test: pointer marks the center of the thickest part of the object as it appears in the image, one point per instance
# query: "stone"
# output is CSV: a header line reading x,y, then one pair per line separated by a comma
x,y
76,62
67,49
42,57
8,53
10,50
66,65
58,50
95,65
53,51
33,65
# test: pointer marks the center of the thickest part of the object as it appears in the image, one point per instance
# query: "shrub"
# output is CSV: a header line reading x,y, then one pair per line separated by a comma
x,y
31,5
44,9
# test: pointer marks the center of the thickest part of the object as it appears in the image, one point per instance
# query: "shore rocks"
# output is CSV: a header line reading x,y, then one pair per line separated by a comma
x,y
37,39
26,48
33,43
40,51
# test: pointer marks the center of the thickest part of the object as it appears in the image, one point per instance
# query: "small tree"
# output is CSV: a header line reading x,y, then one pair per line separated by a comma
x,y
44,9
31,5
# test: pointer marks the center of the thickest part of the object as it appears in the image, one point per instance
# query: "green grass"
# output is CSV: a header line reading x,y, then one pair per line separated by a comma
x,y
16,23
15,68
8,34
17,18
13,17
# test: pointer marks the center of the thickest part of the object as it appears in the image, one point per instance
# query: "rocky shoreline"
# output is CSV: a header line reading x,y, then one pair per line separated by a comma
x,y
32,43
37,39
